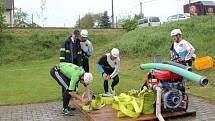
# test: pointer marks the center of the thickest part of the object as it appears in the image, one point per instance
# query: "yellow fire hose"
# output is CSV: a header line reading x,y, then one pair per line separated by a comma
x,y
126,104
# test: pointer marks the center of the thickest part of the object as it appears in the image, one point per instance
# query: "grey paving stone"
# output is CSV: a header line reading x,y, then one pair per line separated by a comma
x,y
51,111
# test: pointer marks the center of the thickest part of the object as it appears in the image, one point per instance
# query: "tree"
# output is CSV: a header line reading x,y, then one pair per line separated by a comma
x,y
105,21
131,24
20,18
89,20
97,19
41,14
2,17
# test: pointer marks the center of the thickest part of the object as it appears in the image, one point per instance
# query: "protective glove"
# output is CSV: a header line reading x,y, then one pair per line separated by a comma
x,y
106,76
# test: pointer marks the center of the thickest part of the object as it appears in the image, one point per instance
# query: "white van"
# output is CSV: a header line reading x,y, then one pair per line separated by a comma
x,y
178,17
149,21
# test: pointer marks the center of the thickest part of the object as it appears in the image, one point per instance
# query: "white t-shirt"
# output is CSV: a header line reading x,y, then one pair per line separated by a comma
x,y
87,47
184,49
114,64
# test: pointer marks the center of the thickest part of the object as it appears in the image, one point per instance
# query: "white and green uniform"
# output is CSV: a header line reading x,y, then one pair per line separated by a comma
x,y
67,77
73,72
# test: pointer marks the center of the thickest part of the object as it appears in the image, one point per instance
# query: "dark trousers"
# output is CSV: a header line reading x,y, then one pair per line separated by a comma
x,y
64,82
109,71
114,83
86,64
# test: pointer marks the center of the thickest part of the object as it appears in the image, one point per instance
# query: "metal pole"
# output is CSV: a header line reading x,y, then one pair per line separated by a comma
x,y
116,22
32,19
112,15
13,14
141,10
79,22
189,4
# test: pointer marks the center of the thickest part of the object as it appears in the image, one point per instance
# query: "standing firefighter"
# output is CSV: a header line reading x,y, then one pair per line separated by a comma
x,y
87,49
70,50
109,65
181,50
68,76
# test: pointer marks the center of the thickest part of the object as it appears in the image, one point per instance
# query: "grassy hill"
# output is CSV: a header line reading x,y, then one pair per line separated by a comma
x,y
26,56
153,41
39,44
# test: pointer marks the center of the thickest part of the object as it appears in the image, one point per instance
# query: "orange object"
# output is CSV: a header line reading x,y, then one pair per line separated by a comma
x,y
108,77
203,63
154,81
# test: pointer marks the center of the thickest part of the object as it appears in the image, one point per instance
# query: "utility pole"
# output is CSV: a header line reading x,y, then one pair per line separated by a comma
x,y
141,10
79,22
32,19
116,22
112,15
189,3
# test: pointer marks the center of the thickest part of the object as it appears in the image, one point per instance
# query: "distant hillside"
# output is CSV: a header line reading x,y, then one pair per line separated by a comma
x,y
39,44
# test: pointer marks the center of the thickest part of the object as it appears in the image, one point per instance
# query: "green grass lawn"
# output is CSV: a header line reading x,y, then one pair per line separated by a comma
x,y
31,82
24,81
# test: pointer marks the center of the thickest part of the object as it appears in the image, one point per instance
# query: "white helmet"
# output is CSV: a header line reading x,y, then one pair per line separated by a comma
x,y
84,33
175,32
115,52
88,77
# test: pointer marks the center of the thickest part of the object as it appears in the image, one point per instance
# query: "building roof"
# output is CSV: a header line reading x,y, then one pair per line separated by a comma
x,y
9,4
207,3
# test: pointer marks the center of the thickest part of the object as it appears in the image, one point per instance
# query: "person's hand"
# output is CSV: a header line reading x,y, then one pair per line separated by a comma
x,y
181,59
106,76
86,101
57,66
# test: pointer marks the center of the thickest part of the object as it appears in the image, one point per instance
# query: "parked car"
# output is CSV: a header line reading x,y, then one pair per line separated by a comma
x,y
178,17
149,21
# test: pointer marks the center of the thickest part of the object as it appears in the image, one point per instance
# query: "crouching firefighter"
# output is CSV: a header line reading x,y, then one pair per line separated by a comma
x,y
108,66
68,76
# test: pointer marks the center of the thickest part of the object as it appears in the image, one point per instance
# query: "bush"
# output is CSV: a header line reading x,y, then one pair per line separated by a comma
x,y
131,24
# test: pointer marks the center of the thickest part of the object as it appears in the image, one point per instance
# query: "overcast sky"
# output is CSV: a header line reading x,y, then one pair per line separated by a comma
x,y
61,13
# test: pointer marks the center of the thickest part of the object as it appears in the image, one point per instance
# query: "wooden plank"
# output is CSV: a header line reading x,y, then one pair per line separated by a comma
x,y
109,114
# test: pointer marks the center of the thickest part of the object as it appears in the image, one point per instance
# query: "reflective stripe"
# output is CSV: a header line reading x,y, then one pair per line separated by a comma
x,y
62,49
62,58
79,52
67,51
61,80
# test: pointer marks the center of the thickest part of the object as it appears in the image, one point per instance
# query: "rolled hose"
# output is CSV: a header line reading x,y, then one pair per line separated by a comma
x,y
201,80
178,65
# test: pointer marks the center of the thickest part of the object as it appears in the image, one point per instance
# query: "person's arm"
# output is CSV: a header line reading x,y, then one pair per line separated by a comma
x,y
79,54
62,52
101,70
90,51
75,95
116,70
190,50
72,86
101,63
